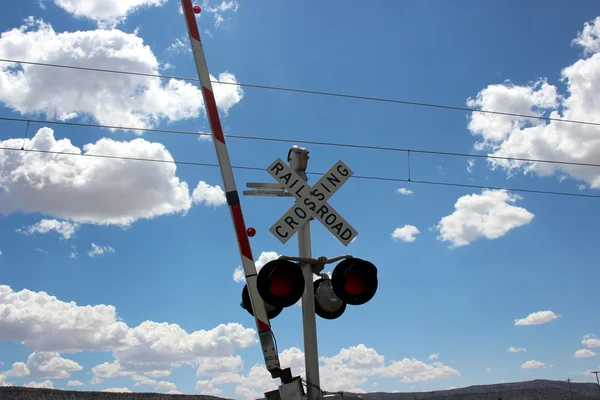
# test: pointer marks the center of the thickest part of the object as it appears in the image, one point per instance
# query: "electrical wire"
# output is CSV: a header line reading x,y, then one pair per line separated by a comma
x,y
311,92
304,141
363,177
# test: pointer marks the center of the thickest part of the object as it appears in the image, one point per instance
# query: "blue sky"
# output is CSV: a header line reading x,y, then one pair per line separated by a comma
x,y
150,247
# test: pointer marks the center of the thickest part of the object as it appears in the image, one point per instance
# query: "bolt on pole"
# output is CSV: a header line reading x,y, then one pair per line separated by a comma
x,y
298,158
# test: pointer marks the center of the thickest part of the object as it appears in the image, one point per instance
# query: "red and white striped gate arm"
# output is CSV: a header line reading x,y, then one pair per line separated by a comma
x,y
233,199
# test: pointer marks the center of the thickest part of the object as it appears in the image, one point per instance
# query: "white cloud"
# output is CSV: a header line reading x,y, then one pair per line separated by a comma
x,y
160,346
96,250
589,37
110,370
0,252
164,385
143,380
219,9
106,12
3,380
434,356
209,195
158,374
347,370
45,365
40,385
512,349
41,250
75,383
117,390
532,364
584,353
507,136
180,44
405,191
406,233
63,228
87,189
18,369
264,258
44,323
111,99
537,318
590,340
486,215
96,381
470,165
212,366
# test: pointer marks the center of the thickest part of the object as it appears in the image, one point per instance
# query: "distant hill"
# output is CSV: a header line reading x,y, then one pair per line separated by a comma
x,y
531,390
22,393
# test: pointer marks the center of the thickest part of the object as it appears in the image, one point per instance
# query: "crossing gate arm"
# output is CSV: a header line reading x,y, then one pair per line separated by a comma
x,y
265,334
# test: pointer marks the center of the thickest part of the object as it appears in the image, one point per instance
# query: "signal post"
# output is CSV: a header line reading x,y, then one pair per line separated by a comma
x,y
354,281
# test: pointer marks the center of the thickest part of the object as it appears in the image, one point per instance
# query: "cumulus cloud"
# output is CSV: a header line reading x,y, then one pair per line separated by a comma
x,y
488,215
117,390
158,374
144,380
40,385
89,189
212,366
111,99
537,318
406,233
63,228
160,346
507,136
107,13
96,250
532,364
590,340
512,349
348,371
584,353
45,365
44,323
405,191
47,324
209,195
434,356
264,258
75,383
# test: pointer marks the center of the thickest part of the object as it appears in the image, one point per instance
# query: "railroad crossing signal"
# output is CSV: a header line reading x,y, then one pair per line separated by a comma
x,y
311,201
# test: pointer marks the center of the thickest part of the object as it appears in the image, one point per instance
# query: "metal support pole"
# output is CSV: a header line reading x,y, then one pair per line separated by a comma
x,y
309,319
570,391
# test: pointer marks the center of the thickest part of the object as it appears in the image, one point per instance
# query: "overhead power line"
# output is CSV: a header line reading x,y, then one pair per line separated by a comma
x,y
312,92
363,177
304,141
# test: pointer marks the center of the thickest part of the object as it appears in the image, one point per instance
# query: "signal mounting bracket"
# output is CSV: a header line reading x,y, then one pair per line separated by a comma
x,y
318,264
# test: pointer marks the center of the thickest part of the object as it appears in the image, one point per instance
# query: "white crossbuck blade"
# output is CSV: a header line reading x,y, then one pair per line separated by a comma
x,y
311,201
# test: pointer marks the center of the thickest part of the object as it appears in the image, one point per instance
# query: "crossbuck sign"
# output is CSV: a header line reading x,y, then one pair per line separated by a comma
x,y
311,201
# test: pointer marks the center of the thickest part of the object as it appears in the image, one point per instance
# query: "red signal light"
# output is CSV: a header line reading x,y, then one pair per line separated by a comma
x,y
355,281
251,232
197,9
280,283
